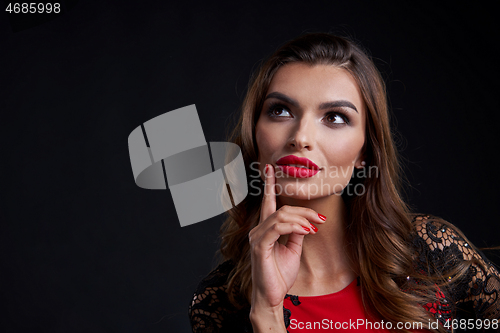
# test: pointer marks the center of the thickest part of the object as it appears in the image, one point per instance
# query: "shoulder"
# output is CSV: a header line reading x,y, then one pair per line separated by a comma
x,y
436,234
442,240
212,289
210,309
217,278
441,249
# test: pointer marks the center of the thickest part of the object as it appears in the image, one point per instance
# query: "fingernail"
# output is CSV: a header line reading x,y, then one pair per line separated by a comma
x,y
306,229
267,168
314,228
323,217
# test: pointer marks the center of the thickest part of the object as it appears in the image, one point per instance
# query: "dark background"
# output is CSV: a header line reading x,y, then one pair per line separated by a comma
x,y
83,249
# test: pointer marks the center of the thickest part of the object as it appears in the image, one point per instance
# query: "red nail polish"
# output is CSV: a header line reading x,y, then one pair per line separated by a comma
x,y
267,168
314,228
323,217
306,229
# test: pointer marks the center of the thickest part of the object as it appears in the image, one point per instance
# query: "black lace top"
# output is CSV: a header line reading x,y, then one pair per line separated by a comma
x,y
438,247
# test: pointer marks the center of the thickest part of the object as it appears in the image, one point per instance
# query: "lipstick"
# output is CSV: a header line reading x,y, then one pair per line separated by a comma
x,y
298,167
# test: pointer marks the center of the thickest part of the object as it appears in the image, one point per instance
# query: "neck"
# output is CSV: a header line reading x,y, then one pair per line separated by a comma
x,y
324,256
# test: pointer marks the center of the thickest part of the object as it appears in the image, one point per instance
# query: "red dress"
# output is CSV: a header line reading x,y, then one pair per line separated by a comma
x,y
342,310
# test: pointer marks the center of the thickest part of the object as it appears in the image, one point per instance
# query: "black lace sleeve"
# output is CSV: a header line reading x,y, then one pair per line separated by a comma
x,y
211,311
440,247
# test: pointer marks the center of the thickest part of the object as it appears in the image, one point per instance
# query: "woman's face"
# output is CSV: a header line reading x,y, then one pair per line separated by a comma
x,y
317,113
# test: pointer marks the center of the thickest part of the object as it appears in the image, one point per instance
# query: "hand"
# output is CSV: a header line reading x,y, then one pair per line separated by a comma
x,y
275,266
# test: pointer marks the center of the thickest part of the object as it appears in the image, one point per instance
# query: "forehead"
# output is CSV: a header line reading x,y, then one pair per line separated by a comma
x,y
316,84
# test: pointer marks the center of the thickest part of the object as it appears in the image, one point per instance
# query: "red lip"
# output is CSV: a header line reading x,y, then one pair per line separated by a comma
x,y
292,159
310,168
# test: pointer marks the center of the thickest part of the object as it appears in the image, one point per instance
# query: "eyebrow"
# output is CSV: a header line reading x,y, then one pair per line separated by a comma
x,y
323,106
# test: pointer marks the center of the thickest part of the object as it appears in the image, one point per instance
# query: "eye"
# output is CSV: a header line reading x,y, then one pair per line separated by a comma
x,y
278,111
336,118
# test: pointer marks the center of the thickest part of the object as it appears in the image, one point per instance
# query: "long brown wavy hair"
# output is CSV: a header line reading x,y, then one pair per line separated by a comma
x,y
379,223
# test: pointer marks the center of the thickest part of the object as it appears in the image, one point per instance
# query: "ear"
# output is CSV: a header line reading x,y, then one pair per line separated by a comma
x,y
360,163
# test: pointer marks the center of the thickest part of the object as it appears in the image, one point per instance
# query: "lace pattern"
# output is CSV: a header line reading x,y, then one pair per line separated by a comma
x,y
438,248
211,311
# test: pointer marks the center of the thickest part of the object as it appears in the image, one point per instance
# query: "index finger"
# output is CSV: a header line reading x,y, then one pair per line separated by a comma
x,y
269,199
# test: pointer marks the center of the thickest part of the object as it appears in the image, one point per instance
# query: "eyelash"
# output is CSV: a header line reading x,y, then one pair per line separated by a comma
x,y
272,107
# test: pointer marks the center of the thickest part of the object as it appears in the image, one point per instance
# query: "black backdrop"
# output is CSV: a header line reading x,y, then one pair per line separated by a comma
x,y
83,249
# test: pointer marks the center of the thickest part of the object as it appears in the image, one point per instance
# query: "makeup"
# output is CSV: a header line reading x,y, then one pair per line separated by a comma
x,y
297,167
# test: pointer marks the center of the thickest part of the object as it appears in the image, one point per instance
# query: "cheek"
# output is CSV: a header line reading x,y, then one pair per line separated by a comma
x,y
346,150
266,142
266,145
260,142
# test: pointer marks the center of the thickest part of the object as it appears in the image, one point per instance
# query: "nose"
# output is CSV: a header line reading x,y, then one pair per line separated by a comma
x,y
303,135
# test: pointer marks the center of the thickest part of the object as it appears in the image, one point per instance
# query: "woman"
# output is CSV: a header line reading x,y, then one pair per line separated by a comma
x,y
326,240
